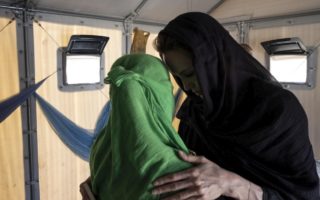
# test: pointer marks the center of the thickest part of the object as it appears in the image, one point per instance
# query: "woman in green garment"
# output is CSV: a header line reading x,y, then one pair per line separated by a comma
x,y
138,144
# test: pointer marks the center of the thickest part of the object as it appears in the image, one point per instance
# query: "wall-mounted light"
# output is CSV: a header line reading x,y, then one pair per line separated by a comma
x,y
290,62
82,63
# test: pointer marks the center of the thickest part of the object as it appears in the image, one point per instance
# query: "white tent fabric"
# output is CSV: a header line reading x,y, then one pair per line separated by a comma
x,y
157,11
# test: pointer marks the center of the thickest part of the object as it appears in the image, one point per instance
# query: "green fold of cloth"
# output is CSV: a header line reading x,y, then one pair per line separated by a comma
x,y
139,143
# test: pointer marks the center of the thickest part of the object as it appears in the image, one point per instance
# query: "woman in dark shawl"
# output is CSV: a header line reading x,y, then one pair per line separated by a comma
x,y
251,135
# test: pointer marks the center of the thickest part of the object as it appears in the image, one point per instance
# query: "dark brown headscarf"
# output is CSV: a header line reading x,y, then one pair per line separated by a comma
x,y
246,122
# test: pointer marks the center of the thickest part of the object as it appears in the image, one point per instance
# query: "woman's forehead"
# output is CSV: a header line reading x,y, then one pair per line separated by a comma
x,y
176,56
177,60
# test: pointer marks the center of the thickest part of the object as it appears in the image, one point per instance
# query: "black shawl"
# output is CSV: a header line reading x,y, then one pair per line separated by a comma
x,y
247,123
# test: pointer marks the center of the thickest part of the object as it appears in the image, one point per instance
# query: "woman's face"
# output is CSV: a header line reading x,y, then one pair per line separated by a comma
x,y
179,62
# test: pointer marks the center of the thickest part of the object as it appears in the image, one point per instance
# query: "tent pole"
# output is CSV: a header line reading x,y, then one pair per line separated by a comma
x,y
28,109
127,25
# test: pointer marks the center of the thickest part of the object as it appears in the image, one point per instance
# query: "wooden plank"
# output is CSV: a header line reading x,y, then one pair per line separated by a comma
x,y
61,171
11,149
310,99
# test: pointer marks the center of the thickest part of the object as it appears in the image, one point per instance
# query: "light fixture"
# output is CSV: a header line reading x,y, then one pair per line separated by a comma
x,y
82,63
290,62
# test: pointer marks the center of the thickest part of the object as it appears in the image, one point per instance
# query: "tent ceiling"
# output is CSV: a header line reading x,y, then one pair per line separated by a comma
x,y
114,8
160,11
165,10
237,10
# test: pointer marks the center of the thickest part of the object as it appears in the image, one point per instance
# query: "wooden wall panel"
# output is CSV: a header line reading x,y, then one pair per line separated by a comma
x,y
11,150
150,49
310,99
60,170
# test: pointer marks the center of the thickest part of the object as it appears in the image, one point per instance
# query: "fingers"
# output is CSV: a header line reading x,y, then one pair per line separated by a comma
x,y
201,182
196,198
189,173
192,158
179,185
187,194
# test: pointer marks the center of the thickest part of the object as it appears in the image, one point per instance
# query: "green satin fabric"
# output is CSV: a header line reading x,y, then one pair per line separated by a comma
x,y
139,143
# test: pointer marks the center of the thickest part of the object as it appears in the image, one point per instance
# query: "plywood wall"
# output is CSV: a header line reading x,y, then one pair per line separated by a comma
x,y
309,34
60,170
150,49
11,150
310,99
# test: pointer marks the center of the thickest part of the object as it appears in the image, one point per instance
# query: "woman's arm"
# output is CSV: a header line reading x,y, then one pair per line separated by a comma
x,y
240,188
206,181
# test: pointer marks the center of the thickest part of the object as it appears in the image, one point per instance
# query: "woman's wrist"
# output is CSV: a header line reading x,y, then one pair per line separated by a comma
x,y
239,188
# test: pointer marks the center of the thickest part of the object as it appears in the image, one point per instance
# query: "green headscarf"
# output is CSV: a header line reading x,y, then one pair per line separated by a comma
x,y
139,143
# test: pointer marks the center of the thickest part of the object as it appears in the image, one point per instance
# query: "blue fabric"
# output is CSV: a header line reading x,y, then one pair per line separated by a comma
x,y
79,140
102,120
9,105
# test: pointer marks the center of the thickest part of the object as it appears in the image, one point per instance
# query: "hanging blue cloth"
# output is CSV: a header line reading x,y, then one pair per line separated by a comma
x,y
79,140
9,105
102,119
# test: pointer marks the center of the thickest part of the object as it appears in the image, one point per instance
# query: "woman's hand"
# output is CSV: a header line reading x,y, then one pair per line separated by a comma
x,y
205,181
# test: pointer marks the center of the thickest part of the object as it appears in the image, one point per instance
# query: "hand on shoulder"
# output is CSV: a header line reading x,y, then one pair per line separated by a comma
x,y
207,181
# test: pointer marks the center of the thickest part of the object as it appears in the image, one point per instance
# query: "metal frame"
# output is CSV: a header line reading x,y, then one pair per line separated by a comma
x,y
128,25
281,20
28,109
312,16
7,6
7,13
28,115
312,60
243,30
24,35
61,60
